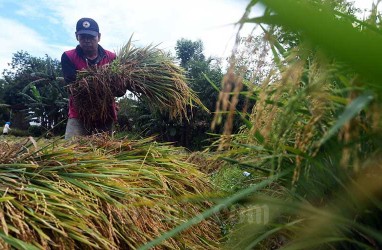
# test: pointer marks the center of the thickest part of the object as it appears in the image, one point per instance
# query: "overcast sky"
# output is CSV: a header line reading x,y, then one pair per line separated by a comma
x,y
47,26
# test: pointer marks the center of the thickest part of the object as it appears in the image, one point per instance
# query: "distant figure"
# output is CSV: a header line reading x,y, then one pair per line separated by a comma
x,y
6,128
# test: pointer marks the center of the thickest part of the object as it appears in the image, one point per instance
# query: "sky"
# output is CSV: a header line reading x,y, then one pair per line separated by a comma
x,y
42,27
47,26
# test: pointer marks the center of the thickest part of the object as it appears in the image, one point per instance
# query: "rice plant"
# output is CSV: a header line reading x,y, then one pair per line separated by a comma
x,y
318,121
313,138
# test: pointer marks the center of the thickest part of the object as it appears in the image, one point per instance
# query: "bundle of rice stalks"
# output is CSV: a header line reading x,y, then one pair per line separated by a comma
x,y
15,149
147,72
98,194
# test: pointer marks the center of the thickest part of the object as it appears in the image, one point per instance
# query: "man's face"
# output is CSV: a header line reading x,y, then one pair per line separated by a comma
x,y
88,42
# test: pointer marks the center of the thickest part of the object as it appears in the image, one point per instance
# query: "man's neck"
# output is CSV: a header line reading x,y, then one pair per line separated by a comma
x,y
91,55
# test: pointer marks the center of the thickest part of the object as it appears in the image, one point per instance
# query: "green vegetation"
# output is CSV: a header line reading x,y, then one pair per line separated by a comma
x,y
313,138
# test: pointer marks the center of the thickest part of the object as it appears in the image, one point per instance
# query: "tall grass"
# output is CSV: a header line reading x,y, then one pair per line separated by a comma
x,y
319,120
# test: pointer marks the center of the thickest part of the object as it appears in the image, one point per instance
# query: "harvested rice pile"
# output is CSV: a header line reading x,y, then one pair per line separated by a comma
x,y
147,72
98,193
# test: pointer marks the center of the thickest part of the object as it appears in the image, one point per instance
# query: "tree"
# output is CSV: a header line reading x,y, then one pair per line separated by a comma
x,y
202,73
187,50
35,91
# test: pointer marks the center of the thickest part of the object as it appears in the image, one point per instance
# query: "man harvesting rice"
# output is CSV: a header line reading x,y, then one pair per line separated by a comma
x,y
88,54
148,73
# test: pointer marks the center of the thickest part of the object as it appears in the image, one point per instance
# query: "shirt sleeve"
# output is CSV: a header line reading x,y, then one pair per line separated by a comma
x,y
68,69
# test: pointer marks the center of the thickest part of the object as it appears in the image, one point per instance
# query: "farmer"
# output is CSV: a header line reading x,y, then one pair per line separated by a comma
x,y
6,128
87,54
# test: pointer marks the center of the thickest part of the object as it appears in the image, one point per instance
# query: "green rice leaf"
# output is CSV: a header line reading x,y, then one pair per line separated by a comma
x,y
19,244
350,112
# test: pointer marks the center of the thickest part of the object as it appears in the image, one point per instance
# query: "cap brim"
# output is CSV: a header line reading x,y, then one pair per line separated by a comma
x,y
88,32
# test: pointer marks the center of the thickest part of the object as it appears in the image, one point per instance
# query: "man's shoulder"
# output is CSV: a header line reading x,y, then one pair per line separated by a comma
x,y
68,54
70,51
109,53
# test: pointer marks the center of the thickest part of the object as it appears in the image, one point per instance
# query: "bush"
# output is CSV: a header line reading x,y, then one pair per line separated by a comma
x,y
35,131
19,132
231,179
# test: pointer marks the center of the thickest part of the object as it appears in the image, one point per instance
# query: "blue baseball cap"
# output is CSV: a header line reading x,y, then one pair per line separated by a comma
x,y
87,26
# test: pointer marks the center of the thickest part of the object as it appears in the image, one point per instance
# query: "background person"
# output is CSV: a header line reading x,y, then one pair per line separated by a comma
x,y
87,54
6,128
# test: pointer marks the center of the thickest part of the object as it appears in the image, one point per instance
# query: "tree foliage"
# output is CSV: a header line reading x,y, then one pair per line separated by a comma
x,y
34,89
187,50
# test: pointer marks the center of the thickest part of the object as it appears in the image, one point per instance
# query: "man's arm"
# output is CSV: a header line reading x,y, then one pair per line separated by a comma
x,y
68,69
